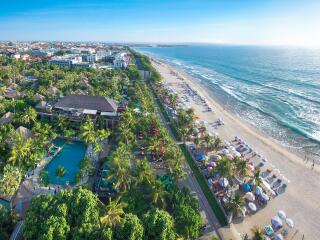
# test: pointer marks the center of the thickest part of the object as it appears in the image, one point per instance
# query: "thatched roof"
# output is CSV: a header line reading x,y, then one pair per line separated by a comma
x,y
6,118
25,132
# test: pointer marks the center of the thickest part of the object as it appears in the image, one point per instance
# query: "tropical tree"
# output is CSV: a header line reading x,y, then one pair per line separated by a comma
x,y
258,233
10,180
29,116
120,172
87,132
208,140
235,205
45,178
130,228
60,172
158,194
159,225
241,167
224,168
188,221
196,142
217,143
143,173
255,179
114,213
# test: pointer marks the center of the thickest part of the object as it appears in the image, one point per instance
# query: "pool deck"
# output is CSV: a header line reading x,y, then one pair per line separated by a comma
x,y
31,187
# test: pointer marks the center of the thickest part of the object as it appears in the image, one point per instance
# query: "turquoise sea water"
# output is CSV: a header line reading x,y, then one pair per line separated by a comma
x,y
69,157
275,89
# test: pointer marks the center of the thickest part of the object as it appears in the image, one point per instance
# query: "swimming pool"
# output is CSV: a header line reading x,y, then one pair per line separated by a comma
x,y
5,203
69,157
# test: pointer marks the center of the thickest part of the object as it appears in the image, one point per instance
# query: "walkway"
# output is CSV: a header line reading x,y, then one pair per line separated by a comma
x,y
213,227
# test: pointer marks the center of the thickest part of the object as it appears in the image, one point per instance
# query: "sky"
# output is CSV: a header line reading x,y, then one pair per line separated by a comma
x,y
258,22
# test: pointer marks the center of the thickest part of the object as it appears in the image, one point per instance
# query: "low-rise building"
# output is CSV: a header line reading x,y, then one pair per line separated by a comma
x,y
77,107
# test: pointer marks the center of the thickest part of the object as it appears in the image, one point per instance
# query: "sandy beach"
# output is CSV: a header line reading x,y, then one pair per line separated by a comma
x,y
300,200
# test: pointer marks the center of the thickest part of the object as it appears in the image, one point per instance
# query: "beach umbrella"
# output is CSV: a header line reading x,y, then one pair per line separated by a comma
x,y
290,222
223,182
251,167
246,187
282,214
236,153
278,237
252,206
265,196
227,143
225,151
258,190
268,230
232,148
250,196
276,222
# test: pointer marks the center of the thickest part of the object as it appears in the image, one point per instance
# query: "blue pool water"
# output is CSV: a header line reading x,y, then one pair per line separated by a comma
x,y
276,89
69,157
4,203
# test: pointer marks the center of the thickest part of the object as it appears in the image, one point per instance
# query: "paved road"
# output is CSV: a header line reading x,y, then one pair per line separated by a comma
x,y
191,182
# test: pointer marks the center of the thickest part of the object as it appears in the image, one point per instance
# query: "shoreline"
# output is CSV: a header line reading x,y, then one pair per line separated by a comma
x,y
209,95
300,201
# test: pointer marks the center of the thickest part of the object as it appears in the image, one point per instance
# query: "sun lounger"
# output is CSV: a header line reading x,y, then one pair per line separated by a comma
x,y
276,184
271,179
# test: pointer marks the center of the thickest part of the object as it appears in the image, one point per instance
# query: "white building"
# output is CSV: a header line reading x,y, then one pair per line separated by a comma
x,y
121,60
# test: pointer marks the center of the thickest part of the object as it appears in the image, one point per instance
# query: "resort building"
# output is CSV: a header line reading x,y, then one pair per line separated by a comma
x,y
121,60
76,108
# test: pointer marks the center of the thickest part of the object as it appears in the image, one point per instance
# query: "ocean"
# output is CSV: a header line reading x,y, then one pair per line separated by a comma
x,y
275,89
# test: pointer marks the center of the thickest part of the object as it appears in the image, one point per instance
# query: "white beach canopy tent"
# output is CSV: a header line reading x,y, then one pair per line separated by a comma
x,y
252,206
250,196
290,222
282,215
223,182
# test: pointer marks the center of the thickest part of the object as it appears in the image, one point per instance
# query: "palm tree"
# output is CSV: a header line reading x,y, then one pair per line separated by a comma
x,y
158,194
126,135
257,233
87,133
121,168
255,178
10,180
60,172
208,140
113,213
21,151
143,172
217,142
173,99
235,205
29,116
224,168
196,142
241,167
61,123
184,131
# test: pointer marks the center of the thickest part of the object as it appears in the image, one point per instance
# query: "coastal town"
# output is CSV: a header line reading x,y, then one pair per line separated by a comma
x,y
99,141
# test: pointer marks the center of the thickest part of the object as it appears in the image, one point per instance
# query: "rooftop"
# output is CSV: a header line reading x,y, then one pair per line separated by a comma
x,y
76,101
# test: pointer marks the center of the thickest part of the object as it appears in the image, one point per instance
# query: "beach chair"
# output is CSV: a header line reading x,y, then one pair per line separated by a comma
x,y
276,184
271,179
281,189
